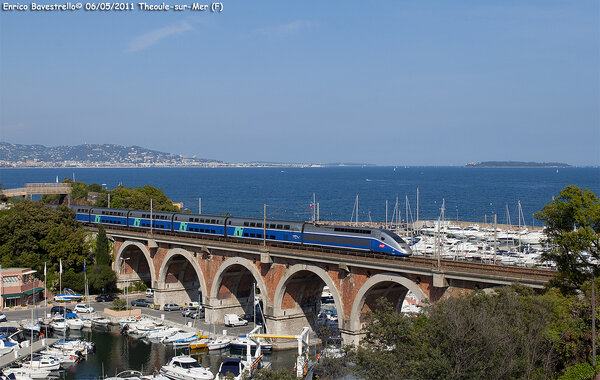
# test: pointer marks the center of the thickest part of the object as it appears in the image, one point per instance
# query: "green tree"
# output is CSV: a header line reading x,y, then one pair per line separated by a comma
x,y
73,280
101,248
31,234
101,278
573,228
138,198
280,374
509,334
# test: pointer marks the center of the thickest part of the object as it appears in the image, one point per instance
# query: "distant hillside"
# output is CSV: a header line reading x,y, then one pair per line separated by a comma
x,y
516,164
91,154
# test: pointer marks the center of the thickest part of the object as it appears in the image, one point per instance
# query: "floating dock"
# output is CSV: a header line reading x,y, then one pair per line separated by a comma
x,y
24,352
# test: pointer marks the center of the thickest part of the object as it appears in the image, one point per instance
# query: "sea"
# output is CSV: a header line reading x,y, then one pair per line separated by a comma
x,y
466,194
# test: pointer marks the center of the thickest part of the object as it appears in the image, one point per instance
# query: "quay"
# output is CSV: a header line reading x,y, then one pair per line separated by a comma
x,y
23,353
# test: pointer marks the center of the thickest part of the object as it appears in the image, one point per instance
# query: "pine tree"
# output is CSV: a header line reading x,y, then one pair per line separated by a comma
x,y
101,249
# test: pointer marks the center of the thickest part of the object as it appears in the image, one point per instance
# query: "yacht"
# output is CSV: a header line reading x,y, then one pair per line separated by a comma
x,y
165,333
59,323
185,368
136,375
23,373
101,321
218,343
73,321
7,345
238,368
241,342
42,362
179,338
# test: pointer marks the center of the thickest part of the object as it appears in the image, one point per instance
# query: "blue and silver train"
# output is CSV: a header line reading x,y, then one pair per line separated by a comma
x,y
282,231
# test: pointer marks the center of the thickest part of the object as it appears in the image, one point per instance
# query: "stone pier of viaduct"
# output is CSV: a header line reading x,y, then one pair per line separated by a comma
x,y
222,275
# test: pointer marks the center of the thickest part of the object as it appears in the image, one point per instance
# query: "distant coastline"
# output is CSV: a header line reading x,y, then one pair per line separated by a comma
x,y
516,164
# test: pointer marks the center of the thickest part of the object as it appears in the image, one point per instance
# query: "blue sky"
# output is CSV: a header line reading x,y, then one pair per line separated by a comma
x,y
387,82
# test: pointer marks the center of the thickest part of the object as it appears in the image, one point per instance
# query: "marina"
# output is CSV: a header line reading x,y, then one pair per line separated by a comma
x,y
114,352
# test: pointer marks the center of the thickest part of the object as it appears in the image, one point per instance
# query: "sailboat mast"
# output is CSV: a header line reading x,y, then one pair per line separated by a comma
x,y
357,209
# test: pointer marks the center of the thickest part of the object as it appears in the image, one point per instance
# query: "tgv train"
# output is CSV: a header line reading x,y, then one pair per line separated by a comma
x,y
366,239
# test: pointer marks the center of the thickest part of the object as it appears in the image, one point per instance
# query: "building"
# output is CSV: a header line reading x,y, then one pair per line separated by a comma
x,y
18,286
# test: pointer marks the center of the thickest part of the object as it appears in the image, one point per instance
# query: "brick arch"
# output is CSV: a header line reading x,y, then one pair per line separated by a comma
x,y
323,275
359,299
129,243
162,273
249,265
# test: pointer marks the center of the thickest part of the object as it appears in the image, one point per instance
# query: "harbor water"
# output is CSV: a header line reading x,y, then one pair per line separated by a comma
x,y
470,194
116,353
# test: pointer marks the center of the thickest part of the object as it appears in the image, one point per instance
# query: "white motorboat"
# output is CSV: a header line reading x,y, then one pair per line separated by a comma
x,y
65,357
164,333
59,323
68,296
180,337
185,368
75,345
128,320
87,323
238,368
73,321
218,344
32,327
241,342
136,375
43,362
22,373
100,321
8,345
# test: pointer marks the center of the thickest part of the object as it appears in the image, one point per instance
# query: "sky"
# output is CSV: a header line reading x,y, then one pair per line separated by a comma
x,y
388,82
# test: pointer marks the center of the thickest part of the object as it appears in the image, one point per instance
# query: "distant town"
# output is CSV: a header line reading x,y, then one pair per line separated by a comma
x,y
116,156
516,164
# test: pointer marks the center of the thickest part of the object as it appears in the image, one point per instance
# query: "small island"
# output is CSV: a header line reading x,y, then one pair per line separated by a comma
x,y
516,164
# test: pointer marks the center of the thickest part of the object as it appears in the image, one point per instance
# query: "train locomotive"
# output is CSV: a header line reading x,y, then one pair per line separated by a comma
x,y
282,231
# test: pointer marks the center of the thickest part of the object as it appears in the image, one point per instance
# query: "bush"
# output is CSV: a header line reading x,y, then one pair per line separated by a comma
x,y
581,371
119,304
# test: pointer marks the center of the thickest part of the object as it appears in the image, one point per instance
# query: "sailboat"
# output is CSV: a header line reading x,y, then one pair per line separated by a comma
x,y
217,343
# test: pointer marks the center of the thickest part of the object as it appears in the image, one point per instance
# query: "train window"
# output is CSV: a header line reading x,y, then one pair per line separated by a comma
x,y
259,225
245,234
252,235
245,224
213,231
252,224
382,238
230,222
287,227
212,221
272,237
280,226
259,235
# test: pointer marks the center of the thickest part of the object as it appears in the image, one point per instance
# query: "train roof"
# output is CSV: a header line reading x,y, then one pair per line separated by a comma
x,y
260,220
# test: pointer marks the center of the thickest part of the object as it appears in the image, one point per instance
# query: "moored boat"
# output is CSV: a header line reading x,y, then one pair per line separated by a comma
x,y
185,368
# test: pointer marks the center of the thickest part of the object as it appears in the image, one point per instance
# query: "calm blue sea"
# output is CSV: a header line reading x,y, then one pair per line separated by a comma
x,y
471,194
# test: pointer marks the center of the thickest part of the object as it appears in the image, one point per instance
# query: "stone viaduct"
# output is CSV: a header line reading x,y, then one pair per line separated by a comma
x,y
222,274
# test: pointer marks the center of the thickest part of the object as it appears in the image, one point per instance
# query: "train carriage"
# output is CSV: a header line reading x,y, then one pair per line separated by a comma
x,y
274,230
160,220
199,224
113,216
82,213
